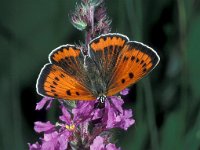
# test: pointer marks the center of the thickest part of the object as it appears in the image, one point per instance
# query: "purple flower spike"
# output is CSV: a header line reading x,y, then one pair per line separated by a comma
x,y
45,100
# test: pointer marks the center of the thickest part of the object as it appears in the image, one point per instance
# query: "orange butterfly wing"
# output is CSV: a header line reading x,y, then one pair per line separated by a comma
x,y
117,61
65,78
105,50
134,62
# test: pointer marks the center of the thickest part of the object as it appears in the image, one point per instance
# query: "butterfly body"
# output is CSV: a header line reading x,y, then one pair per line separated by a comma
x,y
113,63
96,82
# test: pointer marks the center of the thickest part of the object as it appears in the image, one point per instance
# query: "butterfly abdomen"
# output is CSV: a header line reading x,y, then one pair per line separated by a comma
x,y
96,81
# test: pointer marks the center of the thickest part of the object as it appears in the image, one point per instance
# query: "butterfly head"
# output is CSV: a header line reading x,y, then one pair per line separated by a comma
x,y
102,98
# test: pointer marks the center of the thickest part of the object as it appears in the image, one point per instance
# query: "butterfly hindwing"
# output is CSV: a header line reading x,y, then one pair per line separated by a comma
x,y
104,50
135,61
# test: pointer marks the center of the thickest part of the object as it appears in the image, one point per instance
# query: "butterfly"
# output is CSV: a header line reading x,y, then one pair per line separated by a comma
x,y
113,63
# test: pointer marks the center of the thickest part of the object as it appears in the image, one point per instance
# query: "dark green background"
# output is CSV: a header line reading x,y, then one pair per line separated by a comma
x,y
166,104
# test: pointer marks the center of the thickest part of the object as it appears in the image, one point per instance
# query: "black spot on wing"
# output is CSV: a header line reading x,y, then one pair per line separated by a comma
x,y
132,58
123,80
142,62
125,58
55,83
53,87
53,91
77,93
62,75
56,78
137,60
68,92
144,70
131,75
144,65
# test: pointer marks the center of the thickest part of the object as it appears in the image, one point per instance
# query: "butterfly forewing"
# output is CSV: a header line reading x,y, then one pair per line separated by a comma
x,y
135,61
71,60
104,51
66,77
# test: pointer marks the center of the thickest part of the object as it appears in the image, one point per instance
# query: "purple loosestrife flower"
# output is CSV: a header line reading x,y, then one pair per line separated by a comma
x,y
73,128
57,136
115,116
112,115
84,110
52,139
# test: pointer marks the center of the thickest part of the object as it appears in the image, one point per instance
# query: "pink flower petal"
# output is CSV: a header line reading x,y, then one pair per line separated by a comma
x,y
35,146
111,146
115,116
41,104
124,92
98,144
43,127
66,117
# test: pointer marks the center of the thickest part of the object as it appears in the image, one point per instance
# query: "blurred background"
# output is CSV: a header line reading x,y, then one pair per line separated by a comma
x,y
166,104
